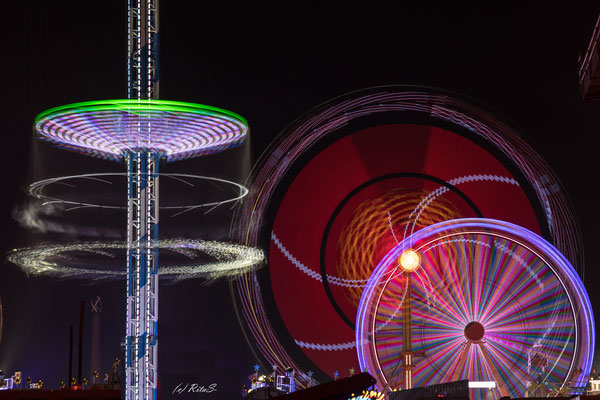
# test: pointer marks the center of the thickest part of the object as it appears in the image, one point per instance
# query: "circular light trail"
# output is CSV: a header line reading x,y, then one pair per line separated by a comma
x,y
409,260
376,220
491,301
38,190
111,128
52,260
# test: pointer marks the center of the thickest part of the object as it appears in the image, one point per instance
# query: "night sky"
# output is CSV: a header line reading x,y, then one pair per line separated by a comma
x,y
271,66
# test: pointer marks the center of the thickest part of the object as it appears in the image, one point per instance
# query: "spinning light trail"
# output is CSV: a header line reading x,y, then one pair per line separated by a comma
x,y
39,189
492,302
54,260
113,128
376,218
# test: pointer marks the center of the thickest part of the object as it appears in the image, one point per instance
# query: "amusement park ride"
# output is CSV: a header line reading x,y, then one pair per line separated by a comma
x,y
477,296
141,130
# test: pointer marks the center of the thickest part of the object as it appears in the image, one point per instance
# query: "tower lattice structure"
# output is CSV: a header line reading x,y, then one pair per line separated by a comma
x,y
141,355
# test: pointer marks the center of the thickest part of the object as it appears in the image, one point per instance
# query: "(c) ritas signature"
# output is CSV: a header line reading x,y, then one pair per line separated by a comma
x,y
194,388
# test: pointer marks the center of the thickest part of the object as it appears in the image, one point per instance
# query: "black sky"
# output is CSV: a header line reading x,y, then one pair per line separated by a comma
x,y
271,65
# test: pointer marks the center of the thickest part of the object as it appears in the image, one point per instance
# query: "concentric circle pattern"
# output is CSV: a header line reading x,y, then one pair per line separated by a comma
x,y
352,178
368,231
110,128
491,301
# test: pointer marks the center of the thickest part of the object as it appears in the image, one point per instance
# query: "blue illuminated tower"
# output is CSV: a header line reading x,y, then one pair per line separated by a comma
x,y
142,130
141,358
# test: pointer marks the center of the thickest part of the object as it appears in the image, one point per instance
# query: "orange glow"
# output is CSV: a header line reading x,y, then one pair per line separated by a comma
x,y
409,260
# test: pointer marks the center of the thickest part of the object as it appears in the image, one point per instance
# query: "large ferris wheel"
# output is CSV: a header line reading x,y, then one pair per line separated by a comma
x,y
476,299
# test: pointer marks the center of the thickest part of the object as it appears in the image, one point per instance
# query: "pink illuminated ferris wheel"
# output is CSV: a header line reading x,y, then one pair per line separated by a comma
x,y
476,299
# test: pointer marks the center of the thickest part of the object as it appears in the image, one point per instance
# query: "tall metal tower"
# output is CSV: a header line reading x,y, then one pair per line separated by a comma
x,y
141,356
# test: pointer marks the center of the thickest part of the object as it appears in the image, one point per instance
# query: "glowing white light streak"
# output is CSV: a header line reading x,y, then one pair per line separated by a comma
x,y
230,260
38,190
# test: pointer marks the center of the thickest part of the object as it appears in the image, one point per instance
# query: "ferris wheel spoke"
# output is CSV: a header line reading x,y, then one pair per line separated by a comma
x,y
517,280
535,323
439,361
512,368
442,314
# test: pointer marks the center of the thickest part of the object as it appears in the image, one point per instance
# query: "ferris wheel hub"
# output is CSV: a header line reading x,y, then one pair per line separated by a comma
x,y
474,331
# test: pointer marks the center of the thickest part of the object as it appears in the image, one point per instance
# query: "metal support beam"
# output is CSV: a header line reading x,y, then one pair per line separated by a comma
x,y
142,272
407,351
142,50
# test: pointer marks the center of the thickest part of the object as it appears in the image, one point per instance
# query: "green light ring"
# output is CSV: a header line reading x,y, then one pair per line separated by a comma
x,y
152,105
183,130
